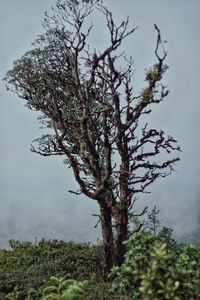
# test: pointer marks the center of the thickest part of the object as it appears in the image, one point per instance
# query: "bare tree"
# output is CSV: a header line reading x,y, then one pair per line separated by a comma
x,y
93,115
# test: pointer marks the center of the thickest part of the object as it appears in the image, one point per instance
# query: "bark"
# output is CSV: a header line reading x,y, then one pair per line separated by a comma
x,y
107,234
114,249
121,236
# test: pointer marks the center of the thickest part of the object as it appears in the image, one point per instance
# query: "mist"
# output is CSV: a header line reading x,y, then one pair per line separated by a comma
x,y
34,198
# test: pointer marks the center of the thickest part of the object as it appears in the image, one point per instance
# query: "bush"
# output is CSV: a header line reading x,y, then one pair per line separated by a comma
x,y
155,268
26,268
158,268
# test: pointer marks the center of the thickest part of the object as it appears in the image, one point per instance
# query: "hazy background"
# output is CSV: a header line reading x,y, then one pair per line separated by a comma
x,y
34,198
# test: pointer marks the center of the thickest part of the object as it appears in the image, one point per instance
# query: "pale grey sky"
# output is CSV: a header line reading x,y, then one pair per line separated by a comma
x,y
34,198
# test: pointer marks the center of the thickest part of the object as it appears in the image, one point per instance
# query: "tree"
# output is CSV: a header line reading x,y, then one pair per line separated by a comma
x,y
94,117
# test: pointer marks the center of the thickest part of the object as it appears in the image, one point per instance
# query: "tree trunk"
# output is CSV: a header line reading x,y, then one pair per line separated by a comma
x,y
113,251
121,236
107,234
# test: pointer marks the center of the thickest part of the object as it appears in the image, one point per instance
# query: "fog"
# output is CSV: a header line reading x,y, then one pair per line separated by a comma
x,y
34,198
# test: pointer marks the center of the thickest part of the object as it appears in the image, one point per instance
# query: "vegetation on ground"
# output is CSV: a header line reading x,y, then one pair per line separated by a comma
x,y
158,267
155,267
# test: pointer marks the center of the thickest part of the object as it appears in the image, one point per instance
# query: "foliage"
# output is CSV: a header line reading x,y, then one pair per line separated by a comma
x,y
157,267
63,289
29,265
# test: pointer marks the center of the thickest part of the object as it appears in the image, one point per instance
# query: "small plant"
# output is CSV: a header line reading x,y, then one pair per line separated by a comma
x,y
153,222
157,282
146,95
63,289
150,223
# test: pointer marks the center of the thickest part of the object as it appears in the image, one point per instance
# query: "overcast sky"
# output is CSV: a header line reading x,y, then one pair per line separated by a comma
x,y
34,198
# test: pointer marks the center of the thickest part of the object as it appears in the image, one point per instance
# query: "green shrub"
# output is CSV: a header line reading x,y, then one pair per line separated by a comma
x,y
63,289
29,266
158,268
